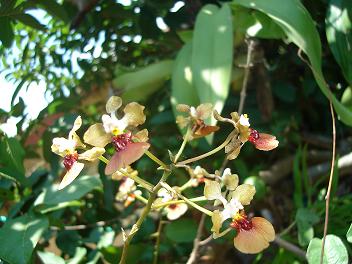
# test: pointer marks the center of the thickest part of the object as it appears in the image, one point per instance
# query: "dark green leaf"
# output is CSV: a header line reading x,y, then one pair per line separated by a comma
x,y
305,220
19,236
53,8
334,251
29,21
14,154
183,230
78,188
6,32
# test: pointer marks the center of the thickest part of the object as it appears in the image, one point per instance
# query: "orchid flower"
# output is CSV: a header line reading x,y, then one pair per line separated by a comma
x,y
172,211
195,119
129,147
127,191
241,123
253,235
66,148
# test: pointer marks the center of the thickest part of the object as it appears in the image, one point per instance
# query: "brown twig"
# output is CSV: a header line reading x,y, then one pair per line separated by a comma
x,y
196,242
82,227
290,247
327,197
246,75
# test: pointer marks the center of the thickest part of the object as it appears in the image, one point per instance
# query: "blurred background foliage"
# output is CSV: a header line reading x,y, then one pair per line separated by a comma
x,y
155,52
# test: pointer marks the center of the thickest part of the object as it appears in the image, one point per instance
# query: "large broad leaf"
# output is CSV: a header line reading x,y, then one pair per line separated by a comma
x,y
182,90
335,251
142,83
52,199
299,27
305,220
339,34
212,55
29,21
19,236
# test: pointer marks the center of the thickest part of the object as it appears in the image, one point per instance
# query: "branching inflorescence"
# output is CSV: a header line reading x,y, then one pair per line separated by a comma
x,y
252,235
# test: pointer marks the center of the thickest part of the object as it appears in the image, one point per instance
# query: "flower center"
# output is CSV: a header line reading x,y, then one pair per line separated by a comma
x,y
172,206
69,160
116,131
241,222
253,136
120,142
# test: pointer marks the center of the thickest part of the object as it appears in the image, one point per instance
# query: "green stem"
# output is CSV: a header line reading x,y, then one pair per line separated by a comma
x,y
157,242
196,199
137,179
186,185
188,201
184,142
228,139
141,198
143,216
156,160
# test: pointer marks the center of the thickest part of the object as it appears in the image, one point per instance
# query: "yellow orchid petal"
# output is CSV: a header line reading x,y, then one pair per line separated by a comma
x,y
229,180
217,223
142,136
113,104
92,154
212,190
244,193
204,111
182,121
96,136
71,174
134,114
183,108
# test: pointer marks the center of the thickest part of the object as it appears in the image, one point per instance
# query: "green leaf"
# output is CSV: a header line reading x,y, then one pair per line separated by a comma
x,y
255,24
19,236
339,34
49,257
77,189
346,98
13,154
140,84
182,90
335,251
6,32
305,220
183,230
212,55
296,22
29,21
53,8
349,234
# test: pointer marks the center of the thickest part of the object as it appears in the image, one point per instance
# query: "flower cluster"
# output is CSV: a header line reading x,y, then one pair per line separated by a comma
x,y
67,148
195,119
128,146
244,133
118,130
253,235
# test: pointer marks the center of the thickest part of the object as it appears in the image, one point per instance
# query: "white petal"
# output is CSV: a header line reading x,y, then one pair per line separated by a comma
x,y
244,121
63,146
176,212
71,174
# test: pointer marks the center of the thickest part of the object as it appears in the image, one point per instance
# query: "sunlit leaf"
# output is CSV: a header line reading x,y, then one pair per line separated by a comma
x,y
297,23
22,234
335,251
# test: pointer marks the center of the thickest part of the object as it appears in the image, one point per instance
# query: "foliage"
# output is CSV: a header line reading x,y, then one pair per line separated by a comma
x,y
299,61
